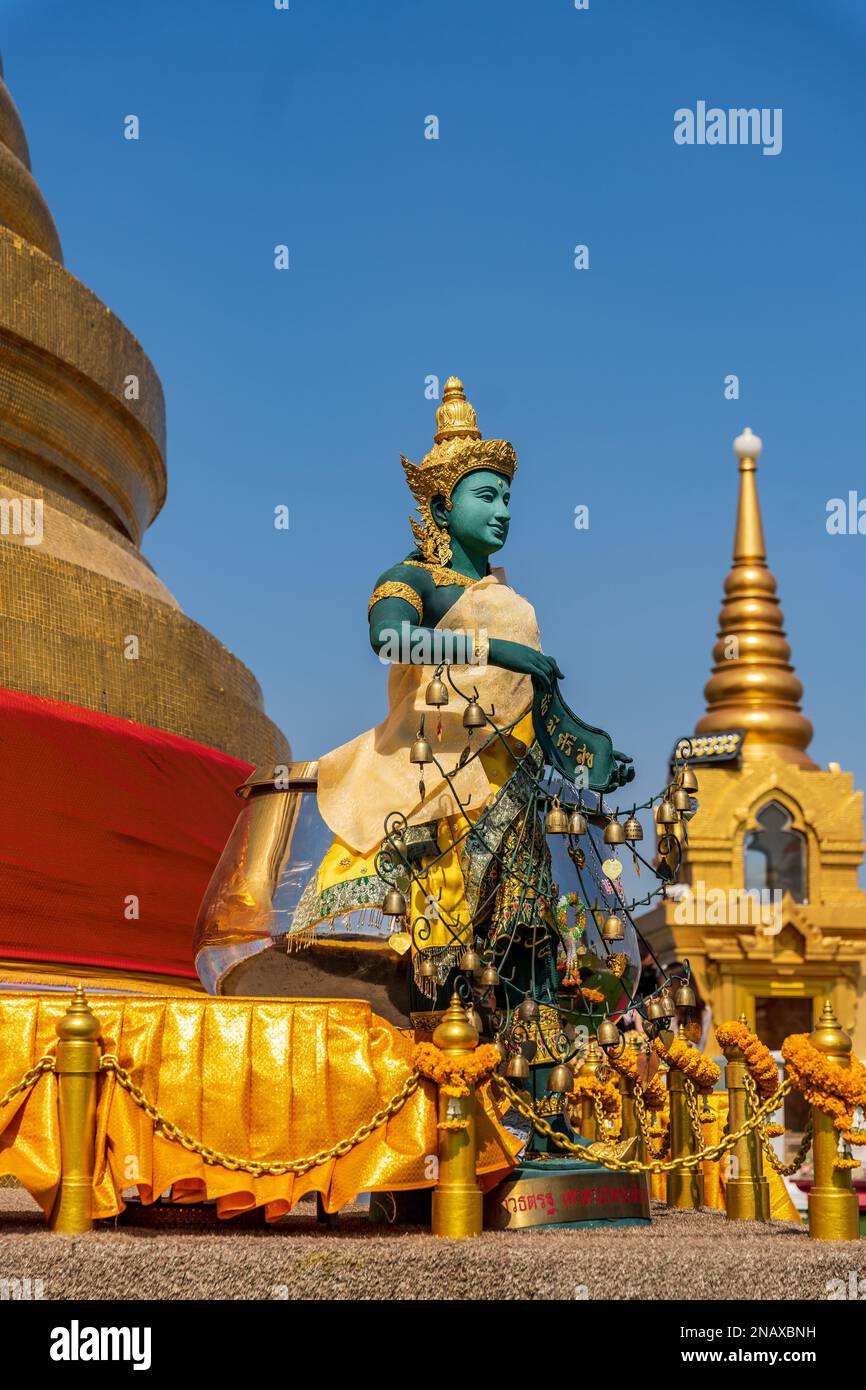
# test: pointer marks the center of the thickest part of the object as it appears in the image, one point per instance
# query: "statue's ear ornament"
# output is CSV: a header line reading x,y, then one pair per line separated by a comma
x,y
458,449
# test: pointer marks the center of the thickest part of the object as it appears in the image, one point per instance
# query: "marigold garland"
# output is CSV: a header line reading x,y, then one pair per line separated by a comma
x,y
454,1075
758,1057
698,1068
592,996
587,1087
654,1091
837,1091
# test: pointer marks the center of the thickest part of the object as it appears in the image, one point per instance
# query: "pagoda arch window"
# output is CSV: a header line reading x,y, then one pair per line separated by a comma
x,y
775,854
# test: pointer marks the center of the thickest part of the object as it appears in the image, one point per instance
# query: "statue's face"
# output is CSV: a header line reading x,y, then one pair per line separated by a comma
x,y
479,517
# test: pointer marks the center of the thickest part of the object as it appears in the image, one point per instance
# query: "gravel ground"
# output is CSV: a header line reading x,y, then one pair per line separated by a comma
x,y
181,1254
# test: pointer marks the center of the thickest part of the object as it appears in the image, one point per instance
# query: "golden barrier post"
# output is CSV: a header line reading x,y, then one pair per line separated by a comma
x,y
457,1200
833,1211
747,1194
685,1186
630,1128
589,1126
77,1069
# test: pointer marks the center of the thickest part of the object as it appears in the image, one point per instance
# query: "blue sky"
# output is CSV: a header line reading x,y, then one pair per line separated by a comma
x,y
412,257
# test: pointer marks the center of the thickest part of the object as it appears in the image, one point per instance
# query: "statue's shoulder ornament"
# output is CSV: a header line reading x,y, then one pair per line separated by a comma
x,y
401,581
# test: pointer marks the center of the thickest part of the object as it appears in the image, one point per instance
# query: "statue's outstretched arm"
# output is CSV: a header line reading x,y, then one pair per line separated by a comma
x,y
396,635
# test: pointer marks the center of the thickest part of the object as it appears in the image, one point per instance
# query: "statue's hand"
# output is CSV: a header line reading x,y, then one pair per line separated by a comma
x,y
514,656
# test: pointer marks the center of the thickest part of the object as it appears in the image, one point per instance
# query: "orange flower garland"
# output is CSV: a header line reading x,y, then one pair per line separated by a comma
x,y
655,1092
592,996
837,1091
698,1068
454,1075
758,1057
587,1087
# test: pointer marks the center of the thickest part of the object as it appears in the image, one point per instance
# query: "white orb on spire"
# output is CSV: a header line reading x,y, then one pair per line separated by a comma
x,y
748,445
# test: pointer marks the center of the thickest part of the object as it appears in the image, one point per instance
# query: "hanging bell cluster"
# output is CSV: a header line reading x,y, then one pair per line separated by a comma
x,y
556,820
436,693
688,780
613,928
560,1079
684,998
668,1005
518,1067
394,904
528,1010
421,753
614,833
474,716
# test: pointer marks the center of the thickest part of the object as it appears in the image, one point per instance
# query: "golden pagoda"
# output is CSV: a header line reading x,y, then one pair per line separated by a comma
x,y
83,617
770,916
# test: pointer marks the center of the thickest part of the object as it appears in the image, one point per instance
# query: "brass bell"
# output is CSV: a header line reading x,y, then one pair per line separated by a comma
x,y
614,833
476,1020
681,799
613,929
421,752
633,830
666,813
560,1080
688,780
518,1067
426,969
556,821
654,1008
666,1000
577,823
436,693
470,961
489,976
685,997
394,904
528,1009
607,1034
474,716
502,1048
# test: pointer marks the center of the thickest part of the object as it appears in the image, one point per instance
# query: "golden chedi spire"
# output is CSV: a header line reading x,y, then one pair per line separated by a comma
x,y
753,685
82,448
22,206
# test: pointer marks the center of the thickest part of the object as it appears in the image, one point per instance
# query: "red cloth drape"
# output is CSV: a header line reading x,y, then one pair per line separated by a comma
x,y
95,811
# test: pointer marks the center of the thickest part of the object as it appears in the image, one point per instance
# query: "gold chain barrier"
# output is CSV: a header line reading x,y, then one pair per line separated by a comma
x,y
259,1168
457,1202
687,1161
28,1080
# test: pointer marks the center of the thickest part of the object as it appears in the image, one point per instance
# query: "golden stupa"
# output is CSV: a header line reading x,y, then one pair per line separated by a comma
x,y
770,821
82,430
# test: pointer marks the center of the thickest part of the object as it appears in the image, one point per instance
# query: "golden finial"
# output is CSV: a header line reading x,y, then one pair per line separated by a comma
x,y
743,1020
753,685
829,1036
455,418
455,1033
